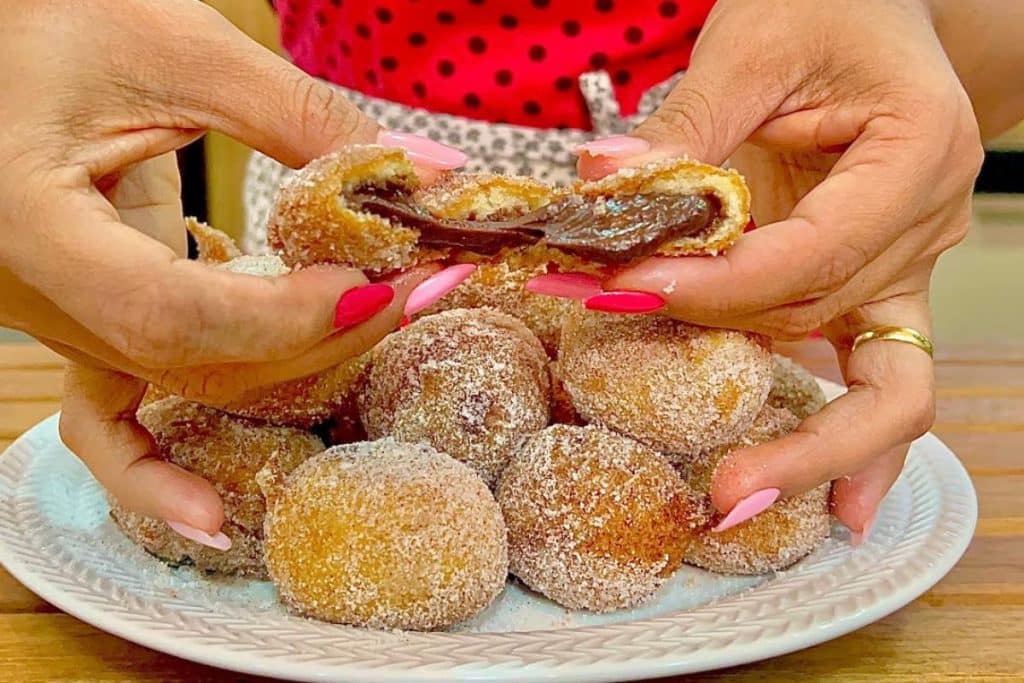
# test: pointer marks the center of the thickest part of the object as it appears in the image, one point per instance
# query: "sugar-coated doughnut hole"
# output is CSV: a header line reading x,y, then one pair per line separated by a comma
x,y
677,387
794,388
775,539
473,383
385,534
227,451
596,520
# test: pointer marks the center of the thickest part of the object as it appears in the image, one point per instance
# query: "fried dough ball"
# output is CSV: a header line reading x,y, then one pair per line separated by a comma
x,y
317,219
794,388
473,383
227,451
386,535
596,520
775,539
677,387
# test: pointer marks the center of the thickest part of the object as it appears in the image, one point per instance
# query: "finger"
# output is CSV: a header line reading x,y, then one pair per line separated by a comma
x,y
98,424
891,401
163,311
147,197
855,498
713,108
228,383
230,83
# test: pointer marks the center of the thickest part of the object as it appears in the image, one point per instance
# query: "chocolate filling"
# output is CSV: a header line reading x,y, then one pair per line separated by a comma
x,y
610,230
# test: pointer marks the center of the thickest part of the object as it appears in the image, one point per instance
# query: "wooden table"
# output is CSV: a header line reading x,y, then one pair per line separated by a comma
x,y
969,627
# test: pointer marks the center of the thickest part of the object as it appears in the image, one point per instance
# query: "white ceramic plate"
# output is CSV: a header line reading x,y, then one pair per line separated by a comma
x,y
57,539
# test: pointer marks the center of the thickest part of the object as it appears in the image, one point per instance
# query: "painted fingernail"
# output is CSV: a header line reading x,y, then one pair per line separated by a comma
x,y
433,289
424,151
616,146
625,302
580,286
359,304
404,322
217,541
858,537
754,504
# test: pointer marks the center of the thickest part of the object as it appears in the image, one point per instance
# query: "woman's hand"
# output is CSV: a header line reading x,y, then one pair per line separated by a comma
x,y
95,97
91,90
861,149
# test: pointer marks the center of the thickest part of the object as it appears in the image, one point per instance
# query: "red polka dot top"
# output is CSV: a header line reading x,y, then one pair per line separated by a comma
x,y
493,60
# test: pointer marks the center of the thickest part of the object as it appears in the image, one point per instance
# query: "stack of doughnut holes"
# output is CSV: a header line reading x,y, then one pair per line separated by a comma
x,y
495,434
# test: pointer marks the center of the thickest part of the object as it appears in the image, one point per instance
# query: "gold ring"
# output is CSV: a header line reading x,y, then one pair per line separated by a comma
x,y
906,335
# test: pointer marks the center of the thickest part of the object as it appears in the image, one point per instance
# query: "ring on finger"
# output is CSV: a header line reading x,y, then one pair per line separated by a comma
x,y
907,335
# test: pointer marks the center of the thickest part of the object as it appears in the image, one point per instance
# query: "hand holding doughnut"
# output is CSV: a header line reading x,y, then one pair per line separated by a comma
x,y
861,154
75,271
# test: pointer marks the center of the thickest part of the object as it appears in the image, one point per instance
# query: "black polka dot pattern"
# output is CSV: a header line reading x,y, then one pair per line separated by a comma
x,y
515,60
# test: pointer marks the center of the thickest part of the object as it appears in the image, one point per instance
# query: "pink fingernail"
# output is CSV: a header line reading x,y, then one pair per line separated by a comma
x,y
617,146
424,151
625,302
754,504
578,286
217,541
359,304
433,289
858,537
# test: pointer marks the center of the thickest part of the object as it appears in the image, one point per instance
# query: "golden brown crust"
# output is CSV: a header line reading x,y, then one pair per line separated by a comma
x,y
312,223
385,535
685,176
596,521
773,540
213,245
677,387
473,383
228,452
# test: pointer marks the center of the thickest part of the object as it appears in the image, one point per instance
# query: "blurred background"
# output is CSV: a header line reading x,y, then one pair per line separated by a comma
x,y
972,283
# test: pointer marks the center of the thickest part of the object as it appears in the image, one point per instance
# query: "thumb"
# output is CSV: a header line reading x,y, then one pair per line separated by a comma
x,y
229,83
709,113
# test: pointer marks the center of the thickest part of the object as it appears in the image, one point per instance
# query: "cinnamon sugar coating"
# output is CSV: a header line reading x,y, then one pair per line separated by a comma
x,y
227,451
385,535
794,388
473,383
596,520
676,387
775,539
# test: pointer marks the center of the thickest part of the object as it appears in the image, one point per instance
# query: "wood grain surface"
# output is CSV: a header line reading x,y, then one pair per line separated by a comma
x,y
968,627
